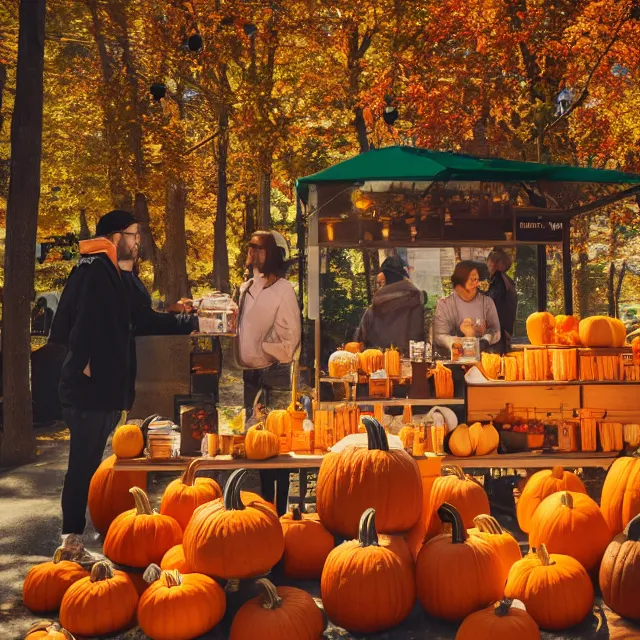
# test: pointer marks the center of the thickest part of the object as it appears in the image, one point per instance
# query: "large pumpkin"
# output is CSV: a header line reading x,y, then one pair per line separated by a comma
x,y
462,492
503,543
556,589
355,479
602,331
174,559
540,328
504,620
184,495
367,587
285,612
140,537
620,572
261,443
571,524
540,485
47,630
46,583
228,539
100,604
457,574
620,501
127,441
306,544
109,493
177,607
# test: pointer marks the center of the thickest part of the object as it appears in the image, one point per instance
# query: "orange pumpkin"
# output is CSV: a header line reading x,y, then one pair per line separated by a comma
x,y
354,347
109,493
571,524
260,443
46,583
141,536
540,485
602,331
478,439
504,544
342,364
406,435
285,612
355,479
371,360
279,422
555,589
540,328
620,501
450,560
100,604
177,607
306,544
620,572
504,620
174,559
127,441
227,539
184,495
566,330
47,630
360,567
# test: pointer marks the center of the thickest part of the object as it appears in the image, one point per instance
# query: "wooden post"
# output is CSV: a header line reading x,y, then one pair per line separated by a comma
x,y
542,277
567,279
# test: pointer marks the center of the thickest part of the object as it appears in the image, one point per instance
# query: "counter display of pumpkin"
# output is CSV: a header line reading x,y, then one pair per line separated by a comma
x,y
476,440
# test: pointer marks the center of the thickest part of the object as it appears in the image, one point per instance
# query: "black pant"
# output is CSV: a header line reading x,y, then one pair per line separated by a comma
x,y
89,433
274,483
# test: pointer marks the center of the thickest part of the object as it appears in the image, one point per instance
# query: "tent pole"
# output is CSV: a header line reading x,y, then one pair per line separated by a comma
x,y
542,277
566,268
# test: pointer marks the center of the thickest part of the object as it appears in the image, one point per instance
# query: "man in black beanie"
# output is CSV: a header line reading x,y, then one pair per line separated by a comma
x,y
93,323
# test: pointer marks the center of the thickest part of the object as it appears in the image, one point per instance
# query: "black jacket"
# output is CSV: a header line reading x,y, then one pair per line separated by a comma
x,y
93,322
502,290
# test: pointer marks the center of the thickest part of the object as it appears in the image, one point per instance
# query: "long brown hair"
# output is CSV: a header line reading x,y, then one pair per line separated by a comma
x,y
274,263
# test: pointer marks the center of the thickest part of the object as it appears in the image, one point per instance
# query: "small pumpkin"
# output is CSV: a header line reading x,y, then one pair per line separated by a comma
x,y
179,607
620,572
460,442
371,360
285,612
354,347
620,501
504,620
571,524
100,604
228,539
504,544
566,330
141,536
127,441
109,493
392,362
306,544
555,589
602,331
174,559
260,443
278,421
360,567
342,364
47,630
406,435
541,485
478,439
46,583
540,328
356,478
185,494
450,560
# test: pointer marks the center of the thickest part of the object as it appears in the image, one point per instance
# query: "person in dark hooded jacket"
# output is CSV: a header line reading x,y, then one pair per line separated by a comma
x,y
396,314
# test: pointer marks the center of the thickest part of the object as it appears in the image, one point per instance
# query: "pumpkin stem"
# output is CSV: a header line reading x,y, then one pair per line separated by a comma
x,y
270,598
376,435
231,496
295,512
101,571
152,573
632,530
449,514
567,499
50,628
141,500
189,476
558,473
543,556
487,524
454,470
502,607
367,535
172,578
71,549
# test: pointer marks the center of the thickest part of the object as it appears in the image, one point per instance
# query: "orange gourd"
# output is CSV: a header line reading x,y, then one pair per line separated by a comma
x,y
566,330
602,331
174,559
540,328
354,347
478,439
279,422
504,620
261,443
127,441
620,501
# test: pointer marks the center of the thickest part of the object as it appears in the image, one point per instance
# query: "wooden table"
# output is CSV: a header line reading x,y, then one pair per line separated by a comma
x,y
527,460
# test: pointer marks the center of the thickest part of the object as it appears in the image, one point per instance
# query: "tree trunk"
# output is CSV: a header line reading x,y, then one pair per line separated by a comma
x,y
85,232
249,215
175,245
623,271
611,294
3,81
18,442
264,199
220,253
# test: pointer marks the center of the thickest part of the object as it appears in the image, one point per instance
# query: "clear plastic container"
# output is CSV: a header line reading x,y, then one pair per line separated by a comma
x,y
218,314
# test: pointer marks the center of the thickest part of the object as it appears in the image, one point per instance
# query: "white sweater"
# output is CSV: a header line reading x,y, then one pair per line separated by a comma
x,y
269,325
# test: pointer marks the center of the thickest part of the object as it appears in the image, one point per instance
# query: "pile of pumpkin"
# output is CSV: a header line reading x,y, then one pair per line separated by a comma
x,y
543,328
369,583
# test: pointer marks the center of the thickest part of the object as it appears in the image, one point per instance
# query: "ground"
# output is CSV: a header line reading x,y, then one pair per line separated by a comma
x,y
30,527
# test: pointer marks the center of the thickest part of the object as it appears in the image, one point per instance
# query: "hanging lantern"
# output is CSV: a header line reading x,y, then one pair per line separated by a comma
x,y
158,90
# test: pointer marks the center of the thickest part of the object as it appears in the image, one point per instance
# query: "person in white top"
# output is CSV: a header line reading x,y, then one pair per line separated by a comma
x,y
269,332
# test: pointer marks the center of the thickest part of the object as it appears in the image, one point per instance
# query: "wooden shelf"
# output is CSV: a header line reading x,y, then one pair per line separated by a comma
x,y
395,402
549,383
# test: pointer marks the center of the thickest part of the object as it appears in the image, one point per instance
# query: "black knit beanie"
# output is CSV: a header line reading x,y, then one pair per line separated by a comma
x,y
393,269
114,222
